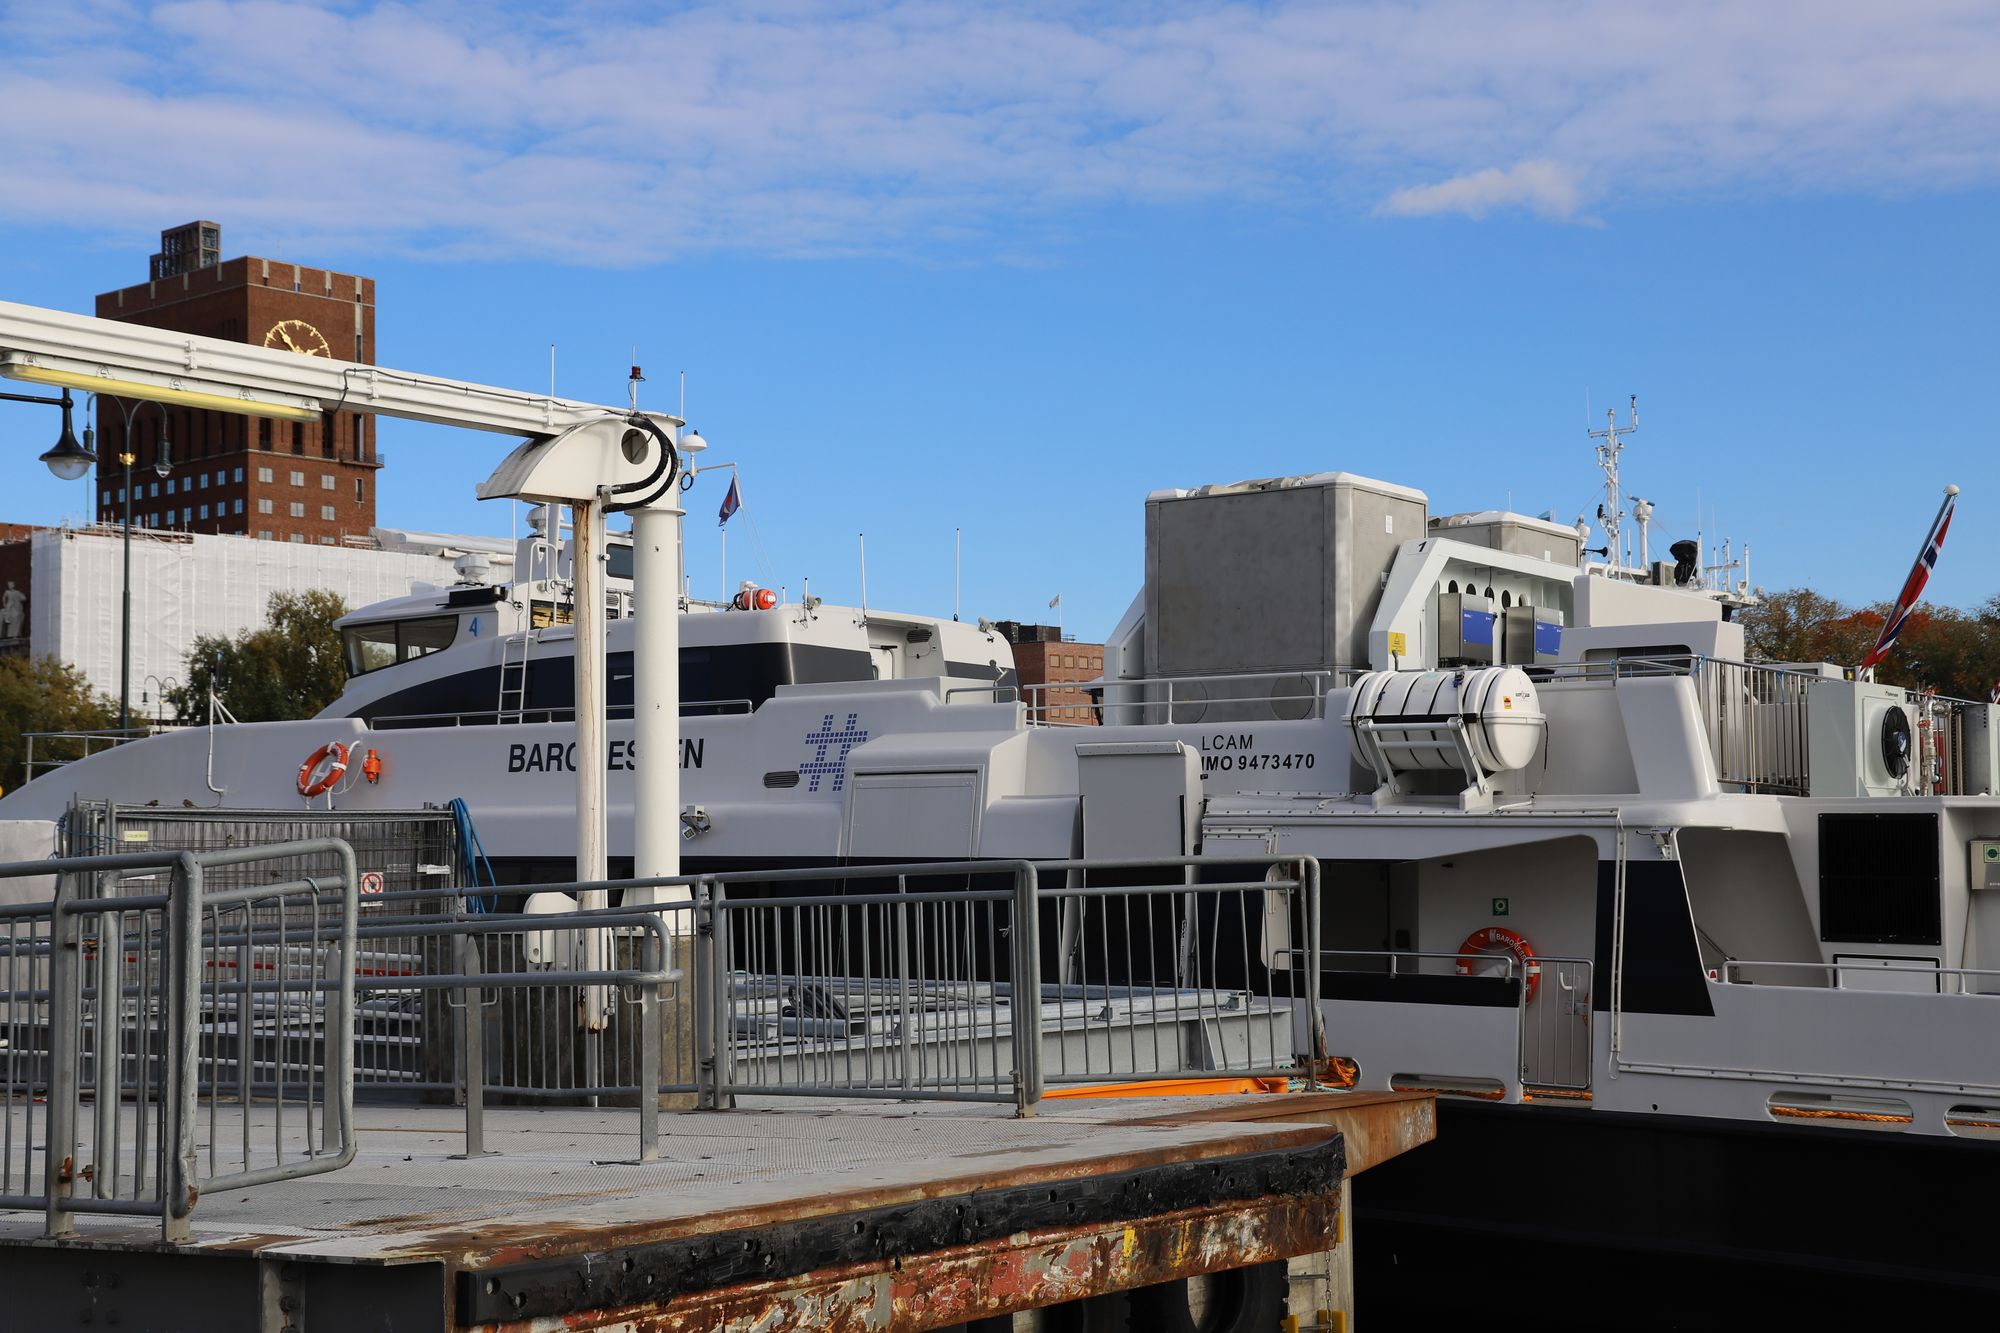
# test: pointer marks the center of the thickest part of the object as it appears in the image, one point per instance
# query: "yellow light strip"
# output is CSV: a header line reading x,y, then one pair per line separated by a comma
x,y
296,409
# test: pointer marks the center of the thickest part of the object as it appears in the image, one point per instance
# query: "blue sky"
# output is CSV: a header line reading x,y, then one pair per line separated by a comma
x,y
1006,270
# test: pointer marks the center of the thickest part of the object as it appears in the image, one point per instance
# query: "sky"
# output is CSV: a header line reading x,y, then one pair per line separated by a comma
x,y
1002,270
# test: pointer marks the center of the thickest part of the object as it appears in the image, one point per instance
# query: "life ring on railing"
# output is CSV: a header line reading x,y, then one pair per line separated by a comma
x,y
322,769
1496,940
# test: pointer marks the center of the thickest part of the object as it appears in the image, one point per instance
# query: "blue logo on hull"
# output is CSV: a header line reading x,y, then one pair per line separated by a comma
x,y
826,738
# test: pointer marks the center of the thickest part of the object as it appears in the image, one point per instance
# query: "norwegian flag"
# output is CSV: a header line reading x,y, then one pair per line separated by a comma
x,y
1913,587
731,502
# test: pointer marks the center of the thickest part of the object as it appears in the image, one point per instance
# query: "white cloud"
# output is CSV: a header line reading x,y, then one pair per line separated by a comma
x,y
623,134
1543,188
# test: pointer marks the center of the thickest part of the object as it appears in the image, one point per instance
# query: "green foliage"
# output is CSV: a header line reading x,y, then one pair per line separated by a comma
x,y
44,694
1956,653
291,667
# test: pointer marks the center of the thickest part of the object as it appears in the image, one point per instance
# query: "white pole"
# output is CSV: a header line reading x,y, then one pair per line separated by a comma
x,y
957,563
587,546
656,694
725,562
862,539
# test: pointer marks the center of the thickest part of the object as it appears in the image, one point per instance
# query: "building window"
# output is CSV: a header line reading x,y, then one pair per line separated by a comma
x,y
326,541
298,509
298,537
201,480
263,506
239,474
238,507
328,482
326,513
170,485
263,474
264,433
298,437
357,347
187,516
298,479
107,495
263,534
358,496
204,511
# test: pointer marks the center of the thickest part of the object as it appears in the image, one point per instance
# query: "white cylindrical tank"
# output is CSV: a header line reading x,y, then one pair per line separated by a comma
x,y
1496,707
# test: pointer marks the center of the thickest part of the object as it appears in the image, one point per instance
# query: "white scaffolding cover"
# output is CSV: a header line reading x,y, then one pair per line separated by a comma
x,y
185,585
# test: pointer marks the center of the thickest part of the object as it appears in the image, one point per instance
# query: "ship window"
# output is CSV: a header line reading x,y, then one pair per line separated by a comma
x,y
387,642
1878,878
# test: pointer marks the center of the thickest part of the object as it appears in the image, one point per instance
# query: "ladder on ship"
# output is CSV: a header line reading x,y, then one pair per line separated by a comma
x,y
514,676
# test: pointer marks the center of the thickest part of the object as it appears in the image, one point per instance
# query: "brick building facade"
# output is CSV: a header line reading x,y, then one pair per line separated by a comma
x,y
1042,657
311,482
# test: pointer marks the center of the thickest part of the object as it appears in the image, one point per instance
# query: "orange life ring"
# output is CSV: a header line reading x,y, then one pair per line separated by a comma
x,y
1499,939
334,756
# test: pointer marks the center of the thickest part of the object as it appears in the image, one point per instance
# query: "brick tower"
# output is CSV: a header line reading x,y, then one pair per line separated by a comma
x,y
293,481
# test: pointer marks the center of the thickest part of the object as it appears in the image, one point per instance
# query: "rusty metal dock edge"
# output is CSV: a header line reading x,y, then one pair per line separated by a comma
x,y
932,1261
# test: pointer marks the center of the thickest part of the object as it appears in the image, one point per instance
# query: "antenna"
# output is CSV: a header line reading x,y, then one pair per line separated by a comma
x,y
683,413
552,370
635,379
1610,516
957,552
862,538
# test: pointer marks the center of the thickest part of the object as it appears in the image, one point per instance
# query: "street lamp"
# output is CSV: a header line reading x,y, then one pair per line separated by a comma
x,y
165,687
68,459
162,464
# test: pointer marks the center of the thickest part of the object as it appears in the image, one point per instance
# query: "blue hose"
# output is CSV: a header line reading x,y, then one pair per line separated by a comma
x,y
475,870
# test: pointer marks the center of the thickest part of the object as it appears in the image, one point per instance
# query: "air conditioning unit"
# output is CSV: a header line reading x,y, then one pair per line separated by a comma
x,y
1863,739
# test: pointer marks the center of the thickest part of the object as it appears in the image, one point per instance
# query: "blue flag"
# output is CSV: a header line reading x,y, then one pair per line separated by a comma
x,y
730,502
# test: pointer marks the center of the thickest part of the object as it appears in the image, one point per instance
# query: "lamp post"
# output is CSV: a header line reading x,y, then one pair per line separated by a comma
x,y
165,687
162,464
71,461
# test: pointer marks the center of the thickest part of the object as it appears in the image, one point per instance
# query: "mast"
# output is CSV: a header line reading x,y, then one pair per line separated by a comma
x,y
1609,516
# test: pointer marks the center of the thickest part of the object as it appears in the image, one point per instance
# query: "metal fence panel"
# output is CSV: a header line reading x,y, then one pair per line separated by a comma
x,y
136,992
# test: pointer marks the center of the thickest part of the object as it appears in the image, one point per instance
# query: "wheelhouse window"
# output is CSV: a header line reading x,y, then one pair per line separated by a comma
x,y
384,643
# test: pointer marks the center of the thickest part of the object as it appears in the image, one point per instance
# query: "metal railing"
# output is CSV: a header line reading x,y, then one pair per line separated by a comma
x,y
933,989
402,1035
1756,722
488,717
224,1050
1948,980
166,1010
1235,697
85,743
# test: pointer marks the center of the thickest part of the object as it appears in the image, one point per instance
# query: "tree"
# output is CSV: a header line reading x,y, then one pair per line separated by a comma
x,y
1796,625
1956,653
290,667
44,694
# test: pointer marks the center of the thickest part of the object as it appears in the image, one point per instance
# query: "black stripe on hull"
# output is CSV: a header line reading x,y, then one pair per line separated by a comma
x,y
1573,1218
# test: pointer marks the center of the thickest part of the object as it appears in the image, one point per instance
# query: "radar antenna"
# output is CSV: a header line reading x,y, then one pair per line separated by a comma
x,y
1609,515
1642,514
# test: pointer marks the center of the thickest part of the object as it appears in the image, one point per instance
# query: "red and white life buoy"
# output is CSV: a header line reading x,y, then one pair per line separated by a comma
x,y
1500,940
324,768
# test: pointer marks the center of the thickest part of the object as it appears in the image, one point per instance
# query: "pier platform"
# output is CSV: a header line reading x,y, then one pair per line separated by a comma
x,y
796,1215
